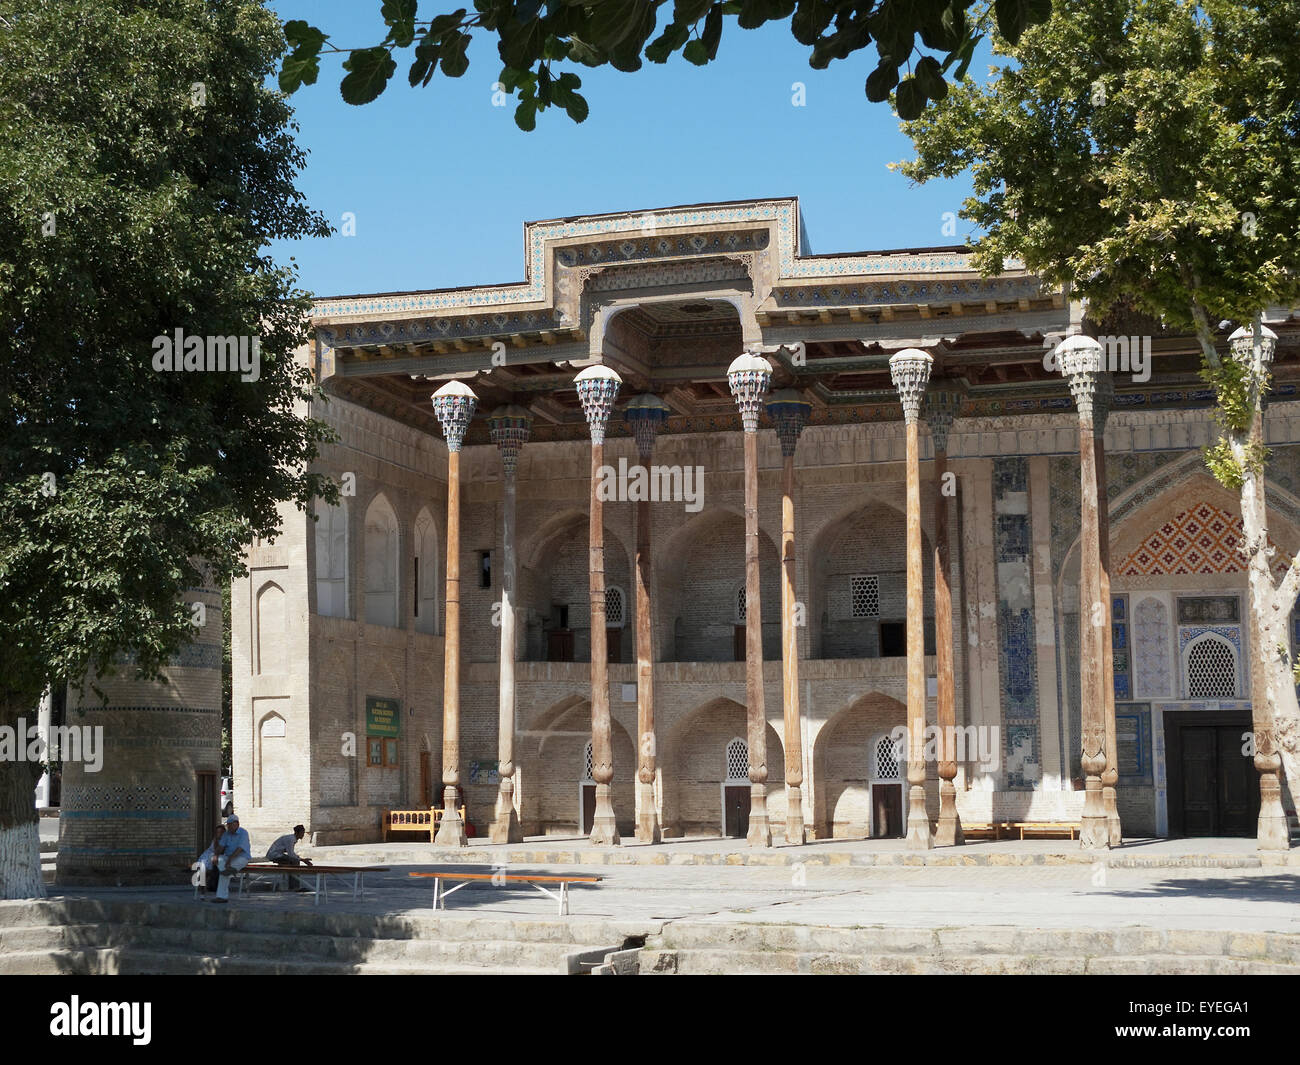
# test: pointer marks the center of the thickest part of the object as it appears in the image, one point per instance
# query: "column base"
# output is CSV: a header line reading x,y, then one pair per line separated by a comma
x,y
1274,834
1114,830
1094,826
451,829
948,833
760,829
506,828
604,832
794,829
919,837
647,816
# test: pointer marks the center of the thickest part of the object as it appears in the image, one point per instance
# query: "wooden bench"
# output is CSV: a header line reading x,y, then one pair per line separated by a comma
x,y
1054,828
421,820
498,879
320,872
983,829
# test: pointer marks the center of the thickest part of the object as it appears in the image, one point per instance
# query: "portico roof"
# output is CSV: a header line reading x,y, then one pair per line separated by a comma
x,y
669,296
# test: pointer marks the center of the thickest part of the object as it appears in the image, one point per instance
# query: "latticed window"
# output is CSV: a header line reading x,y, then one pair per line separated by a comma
x,y
613,606
888,756
588,770
737,760
1211,670
740,605
864,592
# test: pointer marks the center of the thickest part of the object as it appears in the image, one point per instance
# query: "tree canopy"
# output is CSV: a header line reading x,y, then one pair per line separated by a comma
x,y
145,166
538,43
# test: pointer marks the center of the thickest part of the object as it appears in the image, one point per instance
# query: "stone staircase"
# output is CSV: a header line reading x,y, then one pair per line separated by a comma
x,y
701,947
95,936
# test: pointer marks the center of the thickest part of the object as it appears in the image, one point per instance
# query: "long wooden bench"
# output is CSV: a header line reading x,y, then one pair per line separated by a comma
x,y
498,879
1054,828
983,829
320,872
421,820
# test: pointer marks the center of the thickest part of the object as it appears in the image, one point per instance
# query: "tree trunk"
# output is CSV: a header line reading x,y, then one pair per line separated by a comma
x,y
20,846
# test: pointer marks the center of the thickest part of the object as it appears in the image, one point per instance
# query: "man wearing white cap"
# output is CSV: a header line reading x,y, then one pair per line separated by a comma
x,y
236,849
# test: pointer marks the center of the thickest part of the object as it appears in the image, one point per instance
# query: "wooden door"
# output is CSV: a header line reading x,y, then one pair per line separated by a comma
x,y
614,645
1200,783
588,808
206,814
735,810
1238,782
886,811
738,647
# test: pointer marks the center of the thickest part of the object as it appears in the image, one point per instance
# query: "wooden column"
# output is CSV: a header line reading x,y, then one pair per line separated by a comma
x,y
789,412
510,429
1080,360
910,370
749,376
942,404
1110,777
454,405
597,388
645,413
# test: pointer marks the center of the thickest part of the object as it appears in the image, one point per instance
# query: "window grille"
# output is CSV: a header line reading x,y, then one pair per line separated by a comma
x,y
740,605
888,759
864,593
737,760
588,770
613,606
1211,671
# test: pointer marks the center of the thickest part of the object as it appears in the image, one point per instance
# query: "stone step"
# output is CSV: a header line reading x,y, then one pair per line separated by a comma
x,y
577,930
1277,948
420,951
117,961
738,962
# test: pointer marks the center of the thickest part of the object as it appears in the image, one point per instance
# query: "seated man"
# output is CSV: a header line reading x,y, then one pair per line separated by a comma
x,y
236,850
282,853
208,859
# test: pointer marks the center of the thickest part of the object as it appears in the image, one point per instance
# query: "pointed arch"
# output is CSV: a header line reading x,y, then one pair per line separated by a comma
x,y
424,576
332,559
381,555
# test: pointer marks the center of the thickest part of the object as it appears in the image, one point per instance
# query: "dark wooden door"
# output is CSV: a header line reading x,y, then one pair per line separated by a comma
x,y
205,807
588,808
738,645
1213,787
736,810
1238,783
559,645
887,811
614,645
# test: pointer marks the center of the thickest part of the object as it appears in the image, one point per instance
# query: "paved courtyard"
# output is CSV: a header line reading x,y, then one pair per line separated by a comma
x,y
1064,888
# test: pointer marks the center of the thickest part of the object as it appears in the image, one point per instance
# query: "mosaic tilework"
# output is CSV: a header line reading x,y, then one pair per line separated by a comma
x,y
1201,539
1073,698
1133,754
1119,634
1017,646
1152,677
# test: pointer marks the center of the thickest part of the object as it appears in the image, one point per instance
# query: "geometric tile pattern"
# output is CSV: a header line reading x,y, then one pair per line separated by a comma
x,y
1151,673
1017,645
1200,540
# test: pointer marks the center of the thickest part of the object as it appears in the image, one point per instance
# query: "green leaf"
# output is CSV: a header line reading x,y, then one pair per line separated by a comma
x,y
881,82
426,60
696,52
910,99
712,34
400,17
612,20
526,115
300,35
368,72
455,61
673,37
298,70
1014,16
689,12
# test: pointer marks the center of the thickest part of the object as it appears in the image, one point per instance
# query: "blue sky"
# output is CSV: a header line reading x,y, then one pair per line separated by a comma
x,y
441,181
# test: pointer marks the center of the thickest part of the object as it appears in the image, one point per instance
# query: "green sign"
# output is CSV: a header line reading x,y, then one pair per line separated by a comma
x,y
383,716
